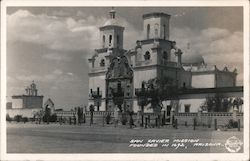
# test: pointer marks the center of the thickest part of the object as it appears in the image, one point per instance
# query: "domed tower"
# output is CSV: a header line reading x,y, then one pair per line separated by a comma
x,y
112,33
111,47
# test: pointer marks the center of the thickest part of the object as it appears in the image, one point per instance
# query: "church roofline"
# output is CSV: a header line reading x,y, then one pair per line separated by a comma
x,y
111,27
207,71
21,96
148,41
49,100
155,14
102,50
210,90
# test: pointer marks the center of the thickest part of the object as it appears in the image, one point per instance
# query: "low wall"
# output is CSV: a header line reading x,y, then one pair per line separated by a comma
x,y
98,115
23,112
208,118
202,118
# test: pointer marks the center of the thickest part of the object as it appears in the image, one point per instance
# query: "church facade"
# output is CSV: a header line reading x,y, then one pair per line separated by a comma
x,y
114,70
26,104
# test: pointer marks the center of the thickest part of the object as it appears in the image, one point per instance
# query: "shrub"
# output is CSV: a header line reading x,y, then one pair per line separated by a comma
x,y
25,119
8,118
18,118
232,124
124,119
108,118
53,118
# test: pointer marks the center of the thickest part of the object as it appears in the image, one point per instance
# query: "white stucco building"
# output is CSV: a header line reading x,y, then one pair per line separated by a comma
x,y
112,67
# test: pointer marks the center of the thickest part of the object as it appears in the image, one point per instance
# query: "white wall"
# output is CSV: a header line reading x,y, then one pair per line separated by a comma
x,y
97,81
143,75
17,103
203,81
195,104
101,106
24,112
224,80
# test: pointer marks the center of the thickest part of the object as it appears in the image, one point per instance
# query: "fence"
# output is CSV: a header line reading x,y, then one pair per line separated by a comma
x,y
222,118
98,115
205,119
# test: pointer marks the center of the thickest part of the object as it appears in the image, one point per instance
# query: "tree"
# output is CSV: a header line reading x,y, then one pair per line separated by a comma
x,y
46,116
18,118
237,102
79,114
53,118
159,90
218,103
8,118
91,109
155,91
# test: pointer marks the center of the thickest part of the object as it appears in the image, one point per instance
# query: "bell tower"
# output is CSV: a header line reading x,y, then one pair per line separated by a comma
x,y
156,26
110,47
112,33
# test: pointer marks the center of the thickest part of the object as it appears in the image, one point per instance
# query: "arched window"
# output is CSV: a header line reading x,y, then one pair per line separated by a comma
x,y
147,55
156,30
148,31
103,41
102,63
165,55
110,39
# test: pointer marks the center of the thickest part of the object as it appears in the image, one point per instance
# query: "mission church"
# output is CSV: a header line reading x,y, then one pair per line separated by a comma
x,y
112,67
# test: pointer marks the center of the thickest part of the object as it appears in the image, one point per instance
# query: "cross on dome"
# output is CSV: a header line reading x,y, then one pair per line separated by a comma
x,y
112,13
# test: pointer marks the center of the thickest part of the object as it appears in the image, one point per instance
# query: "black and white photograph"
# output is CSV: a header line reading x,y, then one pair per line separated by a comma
x,y
115,79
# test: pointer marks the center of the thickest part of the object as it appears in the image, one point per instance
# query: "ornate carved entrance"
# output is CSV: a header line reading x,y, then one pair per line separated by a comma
x,y
119,83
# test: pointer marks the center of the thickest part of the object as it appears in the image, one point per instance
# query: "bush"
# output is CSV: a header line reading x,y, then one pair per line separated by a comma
x,y
108,118
124,119
8,118
53,118
25,119
18,118
232,124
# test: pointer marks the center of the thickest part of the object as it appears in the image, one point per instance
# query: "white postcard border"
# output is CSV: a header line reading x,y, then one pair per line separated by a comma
x,y
124,156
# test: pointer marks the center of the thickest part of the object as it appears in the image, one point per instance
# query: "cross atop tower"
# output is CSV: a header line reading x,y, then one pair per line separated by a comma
x,y
112,13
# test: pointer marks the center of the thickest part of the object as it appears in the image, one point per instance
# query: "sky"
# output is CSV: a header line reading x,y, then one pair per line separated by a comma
x,y
51,45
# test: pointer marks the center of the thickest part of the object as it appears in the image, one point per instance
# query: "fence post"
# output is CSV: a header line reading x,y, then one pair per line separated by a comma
x,y
194,123
215,124
156,122
131,121
238,124
149,120
84,118
164,118
103,119
74,120
146,122
209,122
176,124
159,120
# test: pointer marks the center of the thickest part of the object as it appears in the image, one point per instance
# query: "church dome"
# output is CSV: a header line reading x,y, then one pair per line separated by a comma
x,y
192,58
112,21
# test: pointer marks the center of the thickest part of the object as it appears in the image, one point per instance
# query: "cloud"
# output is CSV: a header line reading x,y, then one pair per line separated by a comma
x,y
63,33
55,76
217,46
53,32
57,57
